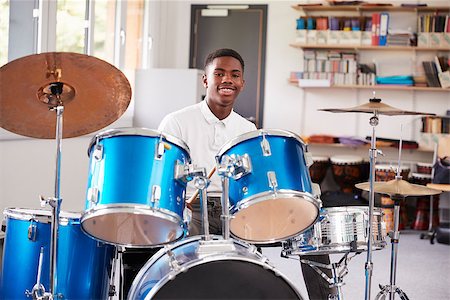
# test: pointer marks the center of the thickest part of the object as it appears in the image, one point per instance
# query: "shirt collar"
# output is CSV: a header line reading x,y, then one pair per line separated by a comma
x,y
210,117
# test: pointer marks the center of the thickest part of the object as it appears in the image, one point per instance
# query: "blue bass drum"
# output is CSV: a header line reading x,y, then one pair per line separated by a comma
x,y
83,266
214,269
274,200
133,198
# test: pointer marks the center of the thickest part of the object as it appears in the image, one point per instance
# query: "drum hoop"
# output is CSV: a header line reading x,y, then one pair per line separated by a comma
x,y
132,131
377,245
45,217
218,256
256,133
105,209
421,176
388,167
246,202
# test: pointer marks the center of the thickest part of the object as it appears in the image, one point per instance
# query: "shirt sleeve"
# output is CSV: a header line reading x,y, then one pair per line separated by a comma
x,y
170,125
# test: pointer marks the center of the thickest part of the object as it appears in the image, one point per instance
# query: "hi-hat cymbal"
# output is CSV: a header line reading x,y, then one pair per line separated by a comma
x,y
398,187
375,106
93,92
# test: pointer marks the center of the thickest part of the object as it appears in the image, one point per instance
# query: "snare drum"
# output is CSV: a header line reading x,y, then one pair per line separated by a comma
x,y
133,198
318,170
349,170
83,265
273,200
236,270
341,229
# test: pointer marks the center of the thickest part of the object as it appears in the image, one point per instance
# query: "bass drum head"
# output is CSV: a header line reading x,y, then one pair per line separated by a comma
x,y
239,274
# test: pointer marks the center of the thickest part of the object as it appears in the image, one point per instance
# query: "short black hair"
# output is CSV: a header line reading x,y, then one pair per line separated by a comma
x,y
223,52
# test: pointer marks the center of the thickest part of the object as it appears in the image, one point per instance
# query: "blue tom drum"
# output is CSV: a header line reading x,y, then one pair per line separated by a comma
x,y
274,200
133,198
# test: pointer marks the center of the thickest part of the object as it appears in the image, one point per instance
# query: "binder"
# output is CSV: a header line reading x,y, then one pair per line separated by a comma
x,y
384,23
375,29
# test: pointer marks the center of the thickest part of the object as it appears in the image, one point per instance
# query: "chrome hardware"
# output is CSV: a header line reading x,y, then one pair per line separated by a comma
x,y
173,263
159,149
156,195
308,159
235,166
265,145
98,152
32,231
93,195
316,190
273,183
187,172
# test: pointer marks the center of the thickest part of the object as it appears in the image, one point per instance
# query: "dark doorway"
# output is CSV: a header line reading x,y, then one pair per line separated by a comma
x,y
240,27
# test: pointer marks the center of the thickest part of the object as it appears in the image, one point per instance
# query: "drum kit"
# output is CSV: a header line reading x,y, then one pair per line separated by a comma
x,y
135,198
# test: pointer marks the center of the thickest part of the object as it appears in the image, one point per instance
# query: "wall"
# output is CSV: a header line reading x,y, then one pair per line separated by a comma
x,y
27,165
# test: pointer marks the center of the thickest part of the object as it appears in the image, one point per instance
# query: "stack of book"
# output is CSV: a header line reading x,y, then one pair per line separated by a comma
x,y
439,125
339,68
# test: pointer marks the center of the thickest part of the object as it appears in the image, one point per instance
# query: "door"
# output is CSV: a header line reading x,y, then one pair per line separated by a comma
x,y
239,27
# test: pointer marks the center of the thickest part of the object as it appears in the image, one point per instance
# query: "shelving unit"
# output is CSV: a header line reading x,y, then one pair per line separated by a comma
x,y
360,10
375,87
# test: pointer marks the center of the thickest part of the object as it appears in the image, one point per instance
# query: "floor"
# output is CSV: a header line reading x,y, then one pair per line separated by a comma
x,y
422,269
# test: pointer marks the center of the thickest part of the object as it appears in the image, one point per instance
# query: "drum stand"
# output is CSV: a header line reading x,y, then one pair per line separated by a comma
x,y
338,270
391,288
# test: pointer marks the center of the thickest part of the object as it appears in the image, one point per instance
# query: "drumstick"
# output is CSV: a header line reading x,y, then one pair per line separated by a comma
x,y
192,198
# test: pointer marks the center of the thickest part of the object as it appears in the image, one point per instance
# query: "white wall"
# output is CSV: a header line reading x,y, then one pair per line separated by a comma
x,y
27,165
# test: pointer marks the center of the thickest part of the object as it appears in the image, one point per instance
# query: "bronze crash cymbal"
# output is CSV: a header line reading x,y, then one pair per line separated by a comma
x,y
93,92
398,187
375,106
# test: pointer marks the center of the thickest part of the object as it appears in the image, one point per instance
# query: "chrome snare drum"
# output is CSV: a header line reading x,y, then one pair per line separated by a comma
x,y
341,229
133,198
215,269
272,199
83,265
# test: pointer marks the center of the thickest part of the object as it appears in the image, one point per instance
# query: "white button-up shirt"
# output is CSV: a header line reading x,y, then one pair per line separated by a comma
x,y
205,135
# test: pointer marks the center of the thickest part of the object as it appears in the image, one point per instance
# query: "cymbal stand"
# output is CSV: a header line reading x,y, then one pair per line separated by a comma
x,y
373,152
431,233
56,89
391,289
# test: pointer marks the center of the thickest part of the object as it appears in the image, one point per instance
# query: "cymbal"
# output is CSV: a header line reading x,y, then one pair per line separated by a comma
x,y
93,92
439,186
398,187
375,106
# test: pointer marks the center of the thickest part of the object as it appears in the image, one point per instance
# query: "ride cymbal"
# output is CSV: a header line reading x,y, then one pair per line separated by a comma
x,y
375,106
398,187
93,92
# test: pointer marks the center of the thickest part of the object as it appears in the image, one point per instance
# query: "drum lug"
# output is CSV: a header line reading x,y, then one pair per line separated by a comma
x,y
32,232
308,159
98,152
173,262
160,148
265,146
316,190
273,183
156,195
93,195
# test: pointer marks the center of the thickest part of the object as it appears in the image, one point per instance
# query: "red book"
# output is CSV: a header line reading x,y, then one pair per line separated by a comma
x,y
375,29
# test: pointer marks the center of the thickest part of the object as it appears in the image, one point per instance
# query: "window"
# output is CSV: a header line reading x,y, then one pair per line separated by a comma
x,y
4,27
